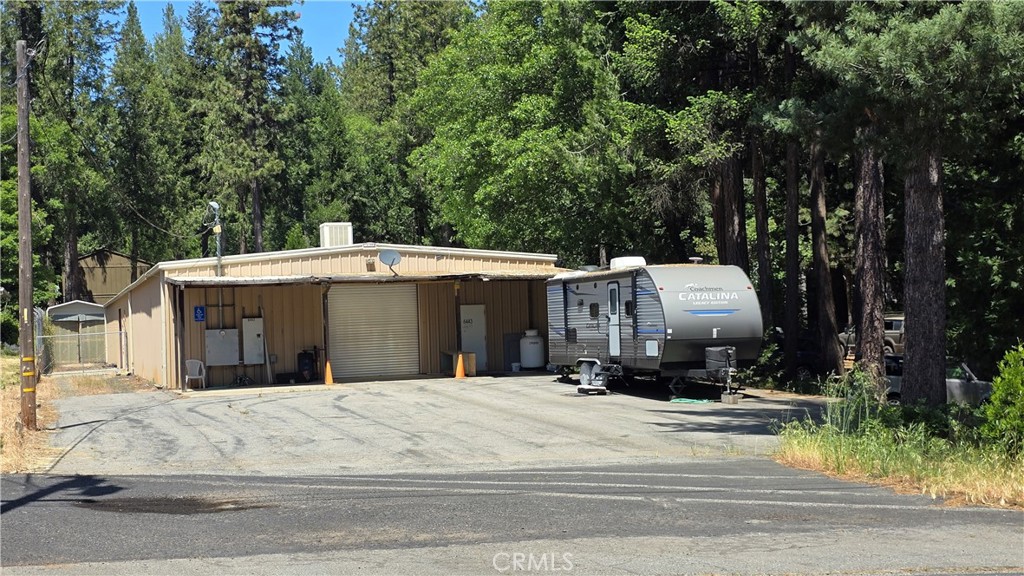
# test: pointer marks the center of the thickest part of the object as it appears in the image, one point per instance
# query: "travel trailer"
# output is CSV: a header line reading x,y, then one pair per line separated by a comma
x,y
676,322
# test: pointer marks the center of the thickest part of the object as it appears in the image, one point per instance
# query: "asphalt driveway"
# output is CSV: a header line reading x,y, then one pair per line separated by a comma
x,y
404,426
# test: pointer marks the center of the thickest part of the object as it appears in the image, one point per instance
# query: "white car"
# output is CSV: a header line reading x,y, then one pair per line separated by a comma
x,y
962,386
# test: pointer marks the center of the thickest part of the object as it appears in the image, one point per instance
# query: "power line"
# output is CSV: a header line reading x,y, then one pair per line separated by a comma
x,y
97,164
23,73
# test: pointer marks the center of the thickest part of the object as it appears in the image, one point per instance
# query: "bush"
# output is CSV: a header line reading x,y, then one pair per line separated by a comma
x,y
768,372
9,325
1004,413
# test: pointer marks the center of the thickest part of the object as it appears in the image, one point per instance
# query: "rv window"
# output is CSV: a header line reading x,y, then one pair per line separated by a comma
x,y
595,309
613,301
629,307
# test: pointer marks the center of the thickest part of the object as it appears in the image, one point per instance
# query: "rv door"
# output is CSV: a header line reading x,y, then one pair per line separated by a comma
x,y
614,340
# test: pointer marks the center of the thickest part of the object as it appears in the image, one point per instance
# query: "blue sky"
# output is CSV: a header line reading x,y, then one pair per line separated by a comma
x,y
324,23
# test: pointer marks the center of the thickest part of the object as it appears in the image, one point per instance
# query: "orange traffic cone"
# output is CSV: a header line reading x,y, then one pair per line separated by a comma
x,y
460,368
328,377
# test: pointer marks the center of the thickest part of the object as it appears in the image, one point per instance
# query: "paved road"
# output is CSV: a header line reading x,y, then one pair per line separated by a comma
x,y
699,515
463,477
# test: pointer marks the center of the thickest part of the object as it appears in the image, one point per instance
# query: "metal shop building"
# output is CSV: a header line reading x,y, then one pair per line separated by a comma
x,y
373,310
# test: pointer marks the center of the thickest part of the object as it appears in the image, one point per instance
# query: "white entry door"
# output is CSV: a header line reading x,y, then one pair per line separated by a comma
x,y
614,336
474,332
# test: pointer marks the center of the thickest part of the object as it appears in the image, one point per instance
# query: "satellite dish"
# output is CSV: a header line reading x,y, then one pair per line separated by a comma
x,y
390,258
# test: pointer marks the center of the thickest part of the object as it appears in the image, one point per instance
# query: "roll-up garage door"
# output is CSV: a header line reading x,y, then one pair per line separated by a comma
x,y
373,330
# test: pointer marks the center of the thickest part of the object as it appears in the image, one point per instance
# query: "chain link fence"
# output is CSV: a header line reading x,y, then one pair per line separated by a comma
x,y
86,351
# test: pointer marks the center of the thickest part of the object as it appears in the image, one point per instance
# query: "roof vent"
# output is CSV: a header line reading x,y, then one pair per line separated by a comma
x,y
627,262
333,234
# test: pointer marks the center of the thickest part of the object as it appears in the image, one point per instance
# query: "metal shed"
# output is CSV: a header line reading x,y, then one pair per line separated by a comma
x,y
261,317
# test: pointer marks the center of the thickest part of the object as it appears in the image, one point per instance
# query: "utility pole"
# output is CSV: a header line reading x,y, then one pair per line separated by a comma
x,y
26,339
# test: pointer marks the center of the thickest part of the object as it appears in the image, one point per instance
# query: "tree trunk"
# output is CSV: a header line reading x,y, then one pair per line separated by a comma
x,y
717,219
673,225
242,245
870,252
828,330
925,281
765,278
733,243
764,270
74,278
257,217
134,254
791,320
792,308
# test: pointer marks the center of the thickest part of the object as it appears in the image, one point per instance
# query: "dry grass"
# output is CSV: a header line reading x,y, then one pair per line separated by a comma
x,y
965,477
27,450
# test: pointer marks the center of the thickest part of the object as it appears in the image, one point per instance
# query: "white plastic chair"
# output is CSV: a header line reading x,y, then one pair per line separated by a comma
x,y
195,370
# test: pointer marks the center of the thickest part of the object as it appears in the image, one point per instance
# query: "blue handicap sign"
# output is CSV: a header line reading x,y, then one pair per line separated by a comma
x,y
199,313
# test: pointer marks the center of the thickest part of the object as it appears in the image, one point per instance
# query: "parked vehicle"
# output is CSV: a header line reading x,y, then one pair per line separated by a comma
x,y
892,340
686,321
962,386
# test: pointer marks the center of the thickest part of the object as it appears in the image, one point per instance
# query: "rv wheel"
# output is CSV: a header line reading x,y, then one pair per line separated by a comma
x,y
587,373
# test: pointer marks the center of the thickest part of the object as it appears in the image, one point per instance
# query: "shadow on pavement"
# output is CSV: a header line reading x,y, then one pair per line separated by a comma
x,y
63,486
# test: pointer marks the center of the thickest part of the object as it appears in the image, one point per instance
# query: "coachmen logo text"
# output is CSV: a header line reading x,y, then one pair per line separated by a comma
x,y
695,293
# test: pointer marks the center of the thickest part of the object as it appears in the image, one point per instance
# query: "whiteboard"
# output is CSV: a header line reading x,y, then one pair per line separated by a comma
x,y
222,347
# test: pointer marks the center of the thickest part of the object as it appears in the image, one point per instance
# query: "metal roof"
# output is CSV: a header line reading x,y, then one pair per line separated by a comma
x,y
169,267
354,278
76,317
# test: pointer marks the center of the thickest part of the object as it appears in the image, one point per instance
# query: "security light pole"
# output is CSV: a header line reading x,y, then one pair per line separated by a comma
x,y
216,230
26,336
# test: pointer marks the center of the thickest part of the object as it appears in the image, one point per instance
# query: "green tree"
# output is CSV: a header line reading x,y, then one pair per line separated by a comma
x,y
44,281
142,165
71,154
177,84
527,150
389,44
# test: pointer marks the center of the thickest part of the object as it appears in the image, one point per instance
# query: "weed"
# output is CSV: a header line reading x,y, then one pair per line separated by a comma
x,y
937,451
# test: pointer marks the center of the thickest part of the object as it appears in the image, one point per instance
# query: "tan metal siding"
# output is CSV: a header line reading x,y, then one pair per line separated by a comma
x,y
292,322
110,325
539,308
106,280
374,330
169,345
437,324
144,331
512,307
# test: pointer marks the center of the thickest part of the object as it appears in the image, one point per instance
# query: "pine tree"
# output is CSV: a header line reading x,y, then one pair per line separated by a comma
x,y
934,63
73,149
142,164
238,156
